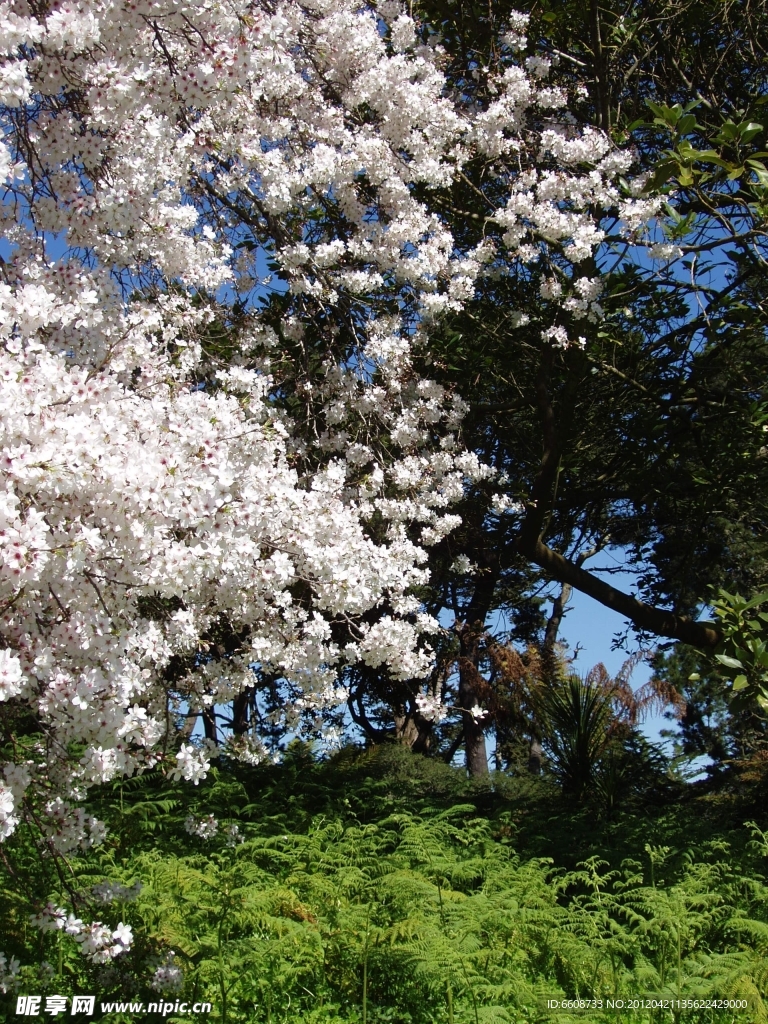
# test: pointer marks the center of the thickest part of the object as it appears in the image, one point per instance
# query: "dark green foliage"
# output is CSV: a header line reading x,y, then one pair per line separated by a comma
x,y
386,887
708,726
656,428
726,691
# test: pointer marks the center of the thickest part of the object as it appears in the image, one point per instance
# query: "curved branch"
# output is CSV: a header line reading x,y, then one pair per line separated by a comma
x,y
646,616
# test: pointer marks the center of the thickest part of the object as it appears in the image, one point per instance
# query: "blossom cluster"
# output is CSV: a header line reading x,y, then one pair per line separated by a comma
x,y
430,707
97,941
204,828
207,827
155,493
9,972
168,976
111,892
9,819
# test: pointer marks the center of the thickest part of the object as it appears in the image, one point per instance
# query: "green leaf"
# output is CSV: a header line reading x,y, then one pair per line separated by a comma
x,y
748,130
740,683
663,173
728,661
728,132
656,109
711,156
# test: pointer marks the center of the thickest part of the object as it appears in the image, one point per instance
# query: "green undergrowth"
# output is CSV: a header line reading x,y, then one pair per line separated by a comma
x,y
384,887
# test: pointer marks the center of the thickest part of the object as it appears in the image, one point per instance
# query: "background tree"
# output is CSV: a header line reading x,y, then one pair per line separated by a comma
x,y
650,438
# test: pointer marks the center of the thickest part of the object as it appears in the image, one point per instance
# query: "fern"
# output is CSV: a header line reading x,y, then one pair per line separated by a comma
x,y
353,905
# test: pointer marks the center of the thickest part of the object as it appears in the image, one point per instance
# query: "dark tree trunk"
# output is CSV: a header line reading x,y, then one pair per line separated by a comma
x,y
535,755
240,706
549,668
469,678
412,731
471,682
555,619
189,726
474,744
209,725
602,98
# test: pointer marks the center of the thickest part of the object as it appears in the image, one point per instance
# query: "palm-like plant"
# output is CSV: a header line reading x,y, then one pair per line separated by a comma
x,y
579,722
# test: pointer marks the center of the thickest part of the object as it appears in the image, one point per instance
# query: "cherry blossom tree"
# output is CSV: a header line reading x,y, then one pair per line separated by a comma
x,y
226,244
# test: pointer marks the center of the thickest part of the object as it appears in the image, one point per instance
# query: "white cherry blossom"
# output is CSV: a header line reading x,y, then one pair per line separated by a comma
x,y
168,976
9,972
155,492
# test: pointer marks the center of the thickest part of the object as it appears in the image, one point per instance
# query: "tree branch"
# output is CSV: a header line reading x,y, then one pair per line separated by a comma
x,y
530,544
646,616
